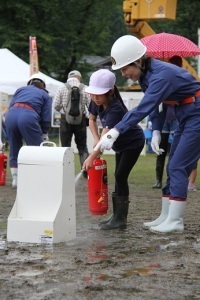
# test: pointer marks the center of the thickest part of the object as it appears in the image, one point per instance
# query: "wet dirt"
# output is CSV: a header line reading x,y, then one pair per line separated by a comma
x,y
118,264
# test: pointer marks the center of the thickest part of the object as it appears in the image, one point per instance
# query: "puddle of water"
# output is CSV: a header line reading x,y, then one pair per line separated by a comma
x,y
143,271
140,271
147,249
87,278
171,244
2,245
19,256
197,245
97,256
103,277
98,252
3,248
30,273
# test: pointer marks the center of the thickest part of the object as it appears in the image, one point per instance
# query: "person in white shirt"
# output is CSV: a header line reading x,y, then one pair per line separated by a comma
x,y
68,130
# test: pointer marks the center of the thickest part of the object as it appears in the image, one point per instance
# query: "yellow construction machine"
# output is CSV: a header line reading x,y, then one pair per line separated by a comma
x,y
138,12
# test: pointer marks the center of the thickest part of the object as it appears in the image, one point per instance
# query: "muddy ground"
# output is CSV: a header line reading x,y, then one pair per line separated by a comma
x,y
118,264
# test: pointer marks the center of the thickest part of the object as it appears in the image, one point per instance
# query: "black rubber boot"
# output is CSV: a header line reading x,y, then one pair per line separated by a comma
x,y
157,185
159,173
119,220
112,215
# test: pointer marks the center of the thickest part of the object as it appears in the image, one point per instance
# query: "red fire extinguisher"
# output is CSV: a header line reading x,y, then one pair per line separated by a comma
x,y
3,166
98,188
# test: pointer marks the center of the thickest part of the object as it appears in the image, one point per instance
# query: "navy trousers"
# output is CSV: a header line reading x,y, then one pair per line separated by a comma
x,y
185,150
22,125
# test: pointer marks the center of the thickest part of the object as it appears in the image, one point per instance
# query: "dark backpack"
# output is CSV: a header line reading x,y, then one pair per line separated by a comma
x,y
75,106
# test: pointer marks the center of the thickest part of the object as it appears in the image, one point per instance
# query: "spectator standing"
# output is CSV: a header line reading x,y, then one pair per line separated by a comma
x,y
68,130
192,179
28,119
167,131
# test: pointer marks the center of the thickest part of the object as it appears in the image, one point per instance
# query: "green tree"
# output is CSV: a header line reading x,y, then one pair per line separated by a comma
x,y
66,30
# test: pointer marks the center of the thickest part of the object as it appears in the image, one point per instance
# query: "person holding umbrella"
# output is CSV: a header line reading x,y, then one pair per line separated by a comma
x,y
163,84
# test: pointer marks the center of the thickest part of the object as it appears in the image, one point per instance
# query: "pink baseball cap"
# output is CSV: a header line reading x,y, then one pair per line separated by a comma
x,y
101,82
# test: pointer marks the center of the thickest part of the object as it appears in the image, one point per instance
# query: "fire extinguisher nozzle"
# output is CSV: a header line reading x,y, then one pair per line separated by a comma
x,y
97,147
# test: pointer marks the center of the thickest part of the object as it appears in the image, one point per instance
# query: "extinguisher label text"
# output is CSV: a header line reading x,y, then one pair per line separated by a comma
x,y
100,167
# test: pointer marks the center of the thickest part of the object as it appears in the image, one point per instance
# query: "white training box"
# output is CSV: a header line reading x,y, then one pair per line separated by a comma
x,y
44,210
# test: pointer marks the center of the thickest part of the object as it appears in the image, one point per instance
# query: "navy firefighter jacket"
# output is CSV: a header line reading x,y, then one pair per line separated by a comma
x,y
39,100
162,81
109,117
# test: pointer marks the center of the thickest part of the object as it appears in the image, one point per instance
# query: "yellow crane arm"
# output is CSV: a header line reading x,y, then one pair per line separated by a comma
x,y
137,12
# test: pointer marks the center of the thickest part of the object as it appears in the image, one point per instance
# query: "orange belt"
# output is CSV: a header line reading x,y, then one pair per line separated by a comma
x,y
187,100
24,105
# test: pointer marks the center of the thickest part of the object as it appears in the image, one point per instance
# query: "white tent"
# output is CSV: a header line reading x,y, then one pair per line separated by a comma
x,y
15,73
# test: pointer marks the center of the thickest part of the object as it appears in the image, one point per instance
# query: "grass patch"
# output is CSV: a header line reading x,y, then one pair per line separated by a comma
x,y
142,175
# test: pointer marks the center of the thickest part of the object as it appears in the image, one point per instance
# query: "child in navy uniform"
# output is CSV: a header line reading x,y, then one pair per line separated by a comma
x,y
108,105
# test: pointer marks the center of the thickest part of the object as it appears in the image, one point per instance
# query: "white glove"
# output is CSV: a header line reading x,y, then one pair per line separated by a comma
x,y
45,137
149,125
1,144
155,142
107,140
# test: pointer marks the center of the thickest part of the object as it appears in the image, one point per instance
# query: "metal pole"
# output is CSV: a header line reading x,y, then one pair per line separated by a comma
x,y
198,67
0,116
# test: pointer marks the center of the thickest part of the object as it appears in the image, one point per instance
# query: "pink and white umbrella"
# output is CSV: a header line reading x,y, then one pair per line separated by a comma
x,y
166,45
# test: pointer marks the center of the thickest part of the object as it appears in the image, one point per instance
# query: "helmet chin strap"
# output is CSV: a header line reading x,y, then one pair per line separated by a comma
x,y
139,66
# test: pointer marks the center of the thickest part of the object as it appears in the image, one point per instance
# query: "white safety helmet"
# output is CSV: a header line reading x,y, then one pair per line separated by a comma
x,y
36,77
126,50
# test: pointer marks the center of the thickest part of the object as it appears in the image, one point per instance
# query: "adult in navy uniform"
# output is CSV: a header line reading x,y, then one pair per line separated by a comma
x,y
161,82
28,119
108,105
